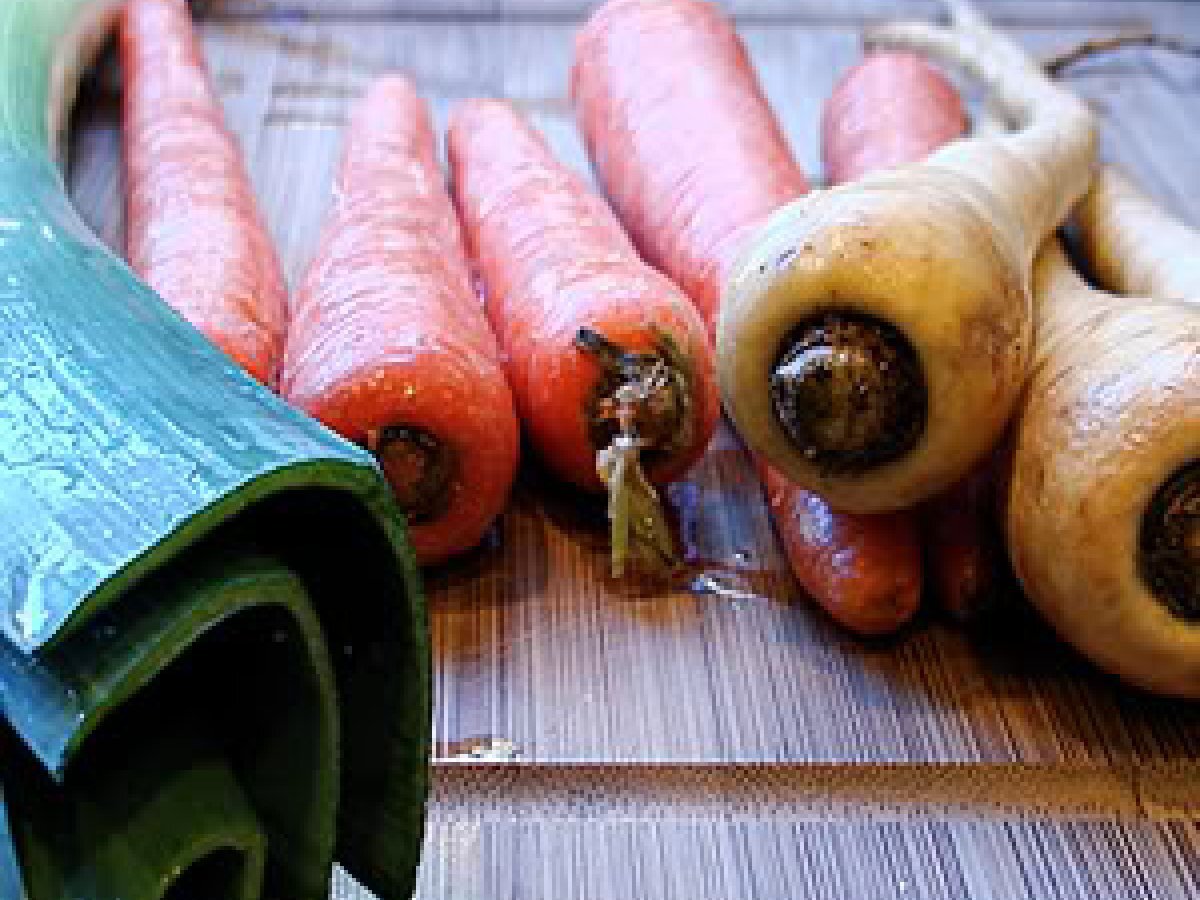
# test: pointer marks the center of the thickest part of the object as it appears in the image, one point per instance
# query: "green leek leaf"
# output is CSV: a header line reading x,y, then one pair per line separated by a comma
x,y
214,665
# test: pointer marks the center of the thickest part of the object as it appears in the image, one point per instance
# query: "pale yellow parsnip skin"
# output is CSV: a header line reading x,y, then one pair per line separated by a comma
x,y
942,251
1112,412
939,270
1150,255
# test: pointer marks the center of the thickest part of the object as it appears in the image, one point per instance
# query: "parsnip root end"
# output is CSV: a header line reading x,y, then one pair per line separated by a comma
x,y
849,392
1170,544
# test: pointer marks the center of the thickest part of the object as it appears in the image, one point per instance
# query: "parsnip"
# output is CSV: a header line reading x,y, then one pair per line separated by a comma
x,y
1133,246
1102,510
875,337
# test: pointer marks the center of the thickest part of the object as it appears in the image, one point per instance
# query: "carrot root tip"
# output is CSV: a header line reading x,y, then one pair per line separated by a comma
x,y
849,392
1170,543
420,468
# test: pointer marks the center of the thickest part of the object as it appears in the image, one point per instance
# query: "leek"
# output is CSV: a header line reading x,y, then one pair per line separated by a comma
x,y
214,674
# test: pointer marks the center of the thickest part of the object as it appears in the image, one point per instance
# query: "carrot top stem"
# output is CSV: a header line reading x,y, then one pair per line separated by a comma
x,y
1170,544
637,523
849,391
419,466
639,415
662,411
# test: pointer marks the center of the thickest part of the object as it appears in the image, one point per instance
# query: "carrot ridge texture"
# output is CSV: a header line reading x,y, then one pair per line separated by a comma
x,y
193,228
389,344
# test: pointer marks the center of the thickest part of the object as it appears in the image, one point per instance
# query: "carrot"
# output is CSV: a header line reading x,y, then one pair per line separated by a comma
x,y
193,229
649,79
693,160
874,337
892,109
889,110
964,547
1103,500
610,364
389,344
865,571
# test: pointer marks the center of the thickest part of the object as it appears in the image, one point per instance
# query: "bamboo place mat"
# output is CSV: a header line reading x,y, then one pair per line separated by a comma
x,y
721,739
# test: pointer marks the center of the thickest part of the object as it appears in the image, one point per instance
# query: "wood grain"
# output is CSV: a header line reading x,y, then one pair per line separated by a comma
x,y
947,860
719,737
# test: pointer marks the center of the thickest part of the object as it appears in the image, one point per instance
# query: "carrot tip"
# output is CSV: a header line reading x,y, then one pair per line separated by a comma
x,y
419,466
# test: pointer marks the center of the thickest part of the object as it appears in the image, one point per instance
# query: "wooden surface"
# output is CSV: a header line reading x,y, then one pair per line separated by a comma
x,y
721,739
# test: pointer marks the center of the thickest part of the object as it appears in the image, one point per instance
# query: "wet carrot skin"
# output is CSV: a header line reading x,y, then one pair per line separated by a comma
x,y
693,160
890,109
681,136
387,330
553,260
866,570
193,229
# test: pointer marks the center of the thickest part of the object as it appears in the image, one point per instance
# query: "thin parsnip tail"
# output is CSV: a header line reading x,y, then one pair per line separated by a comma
x,y
1052,128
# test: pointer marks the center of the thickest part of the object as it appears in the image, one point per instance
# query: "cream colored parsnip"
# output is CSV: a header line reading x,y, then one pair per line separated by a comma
x,y
1116,220
1102,515
875,337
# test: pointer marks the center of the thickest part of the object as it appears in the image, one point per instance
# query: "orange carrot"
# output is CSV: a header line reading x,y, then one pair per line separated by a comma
x,y
606,356
890,109
964,547
194,232
681,136
865,570
388,342
693,160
